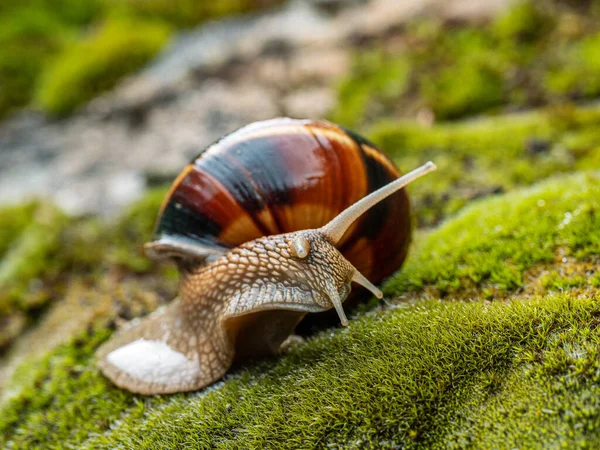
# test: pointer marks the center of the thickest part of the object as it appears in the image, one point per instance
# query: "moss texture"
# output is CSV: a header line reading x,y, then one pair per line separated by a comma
x,y
422,373
492,155
491,249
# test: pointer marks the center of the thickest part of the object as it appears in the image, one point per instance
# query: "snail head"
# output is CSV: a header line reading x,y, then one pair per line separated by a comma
x,y
324,270
304,270
331,270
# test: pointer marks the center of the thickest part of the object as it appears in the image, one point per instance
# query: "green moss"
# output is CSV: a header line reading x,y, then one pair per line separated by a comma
x,y
12,221
462,89
377,82
487,156
577,73
29,256
451,73
27,40
43,252
525,21
429,373
52,415
372,391
67,12
34,33
95,64
490,248
556,281
550,399
392,379
467,76
134,229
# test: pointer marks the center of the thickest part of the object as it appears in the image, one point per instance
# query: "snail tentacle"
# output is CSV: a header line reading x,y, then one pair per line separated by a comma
x,y
337,227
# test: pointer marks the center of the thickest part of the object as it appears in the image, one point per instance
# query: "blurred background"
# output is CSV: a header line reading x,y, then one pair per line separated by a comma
x,y
102,102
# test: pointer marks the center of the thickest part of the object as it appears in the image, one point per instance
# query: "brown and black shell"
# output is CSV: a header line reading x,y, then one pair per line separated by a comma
x,y
285,175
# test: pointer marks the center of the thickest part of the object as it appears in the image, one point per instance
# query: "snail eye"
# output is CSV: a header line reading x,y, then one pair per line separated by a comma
x,y
300,247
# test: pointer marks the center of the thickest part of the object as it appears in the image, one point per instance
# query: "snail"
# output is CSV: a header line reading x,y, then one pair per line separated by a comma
x,y
272,222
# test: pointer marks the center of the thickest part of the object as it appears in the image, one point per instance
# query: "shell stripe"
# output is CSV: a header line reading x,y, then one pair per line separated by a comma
x,y
184,173
201,208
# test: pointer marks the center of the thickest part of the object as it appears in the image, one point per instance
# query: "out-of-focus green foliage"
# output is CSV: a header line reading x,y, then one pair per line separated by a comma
x,y
55,38
96,63
27,40
42,251
64,12
576,73
535,53
187,13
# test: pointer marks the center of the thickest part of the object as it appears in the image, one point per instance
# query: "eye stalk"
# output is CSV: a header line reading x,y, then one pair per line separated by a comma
x,y
300,247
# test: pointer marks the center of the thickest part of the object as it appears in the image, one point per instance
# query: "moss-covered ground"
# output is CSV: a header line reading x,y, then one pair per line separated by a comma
x,y
479,157
45,254
421,372
488,336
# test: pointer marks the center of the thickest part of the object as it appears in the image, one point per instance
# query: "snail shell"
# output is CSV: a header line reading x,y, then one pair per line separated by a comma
x,y
286,175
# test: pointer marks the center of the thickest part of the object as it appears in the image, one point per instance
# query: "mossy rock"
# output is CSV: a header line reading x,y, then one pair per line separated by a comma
x,y
43,252
428,373
491,249
482,157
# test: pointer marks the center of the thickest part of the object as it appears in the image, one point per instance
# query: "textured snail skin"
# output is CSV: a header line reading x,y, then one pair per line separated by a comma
x,y
244,286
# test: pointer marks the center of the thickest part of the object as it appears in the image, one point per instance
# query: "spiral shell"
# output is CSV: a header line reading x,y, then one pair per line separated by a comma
x,y
286,175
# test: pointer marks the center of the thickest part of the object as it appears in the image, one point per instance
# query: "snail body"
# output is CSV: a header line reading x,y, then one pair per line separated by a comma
x,y
269,224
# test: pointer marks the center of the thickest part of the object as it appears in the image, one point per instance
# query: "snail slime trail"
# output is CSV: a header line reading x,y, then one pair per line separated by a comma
x,y
267,226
